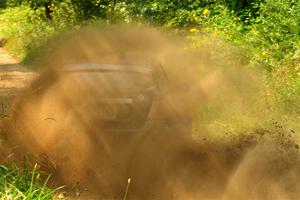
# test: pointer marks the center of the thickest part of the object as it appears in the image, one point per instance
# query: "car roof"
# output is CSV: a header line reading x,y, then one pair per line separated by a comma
x,y
93,67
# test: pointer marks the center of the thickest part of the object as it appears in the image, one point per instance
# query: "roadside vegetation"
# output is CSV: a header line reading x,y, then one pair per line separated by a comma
x,y
22,183
262,35
20,180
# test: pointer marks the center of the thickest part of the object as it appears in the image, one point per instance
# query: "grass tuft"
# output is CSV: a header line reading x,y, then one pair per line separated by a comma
x,y
23,183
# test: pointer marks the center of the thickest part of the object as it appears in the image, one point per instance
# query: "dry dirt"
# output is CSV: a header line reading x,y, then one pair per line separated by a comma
x,y
13,76
159,160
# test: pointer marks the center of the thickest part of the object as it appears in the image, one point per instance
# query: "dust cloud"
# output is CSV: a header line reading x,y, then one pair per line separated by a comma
x,y
53,123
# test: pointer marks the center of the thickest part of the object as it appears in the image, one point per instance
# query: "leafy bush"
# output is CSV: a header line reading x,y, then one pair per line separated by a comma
x,y
63,15
2,4
274,38
25,29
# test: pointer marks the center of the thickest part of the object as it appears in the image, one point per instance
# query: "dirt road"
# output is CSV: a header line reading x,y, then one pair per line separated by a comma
x,y
13,76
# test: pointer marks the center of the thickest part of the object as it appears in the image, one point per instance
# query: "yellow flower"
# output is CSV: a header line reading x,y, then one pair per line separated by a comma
x,y
205,11
195,17
264,53
216,32
254,31
194,30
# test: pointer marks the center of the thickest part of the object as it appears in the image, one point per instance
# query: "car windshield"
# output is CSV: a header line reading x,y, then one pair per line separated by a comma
x,y
117,79
111,76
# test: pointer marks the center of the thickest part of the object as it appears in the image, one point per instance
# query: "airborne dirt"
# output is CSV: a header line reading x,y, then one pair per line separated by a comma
x,y
160,160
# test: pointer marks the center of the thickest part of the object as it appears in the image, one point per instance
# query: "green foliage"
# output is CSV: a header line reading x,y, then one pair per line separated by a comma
x,y
274,39
25,29
63,15
17,183
2,4
276,30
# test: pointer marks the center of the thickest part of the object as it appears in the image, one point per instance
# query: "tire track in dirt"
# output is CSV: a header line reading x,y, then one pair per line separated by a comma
x,y
13,76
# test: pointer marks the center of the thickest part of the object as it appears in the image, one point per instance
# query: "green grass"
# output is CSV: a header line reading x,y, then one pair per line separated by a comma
x,y
22,183
19,181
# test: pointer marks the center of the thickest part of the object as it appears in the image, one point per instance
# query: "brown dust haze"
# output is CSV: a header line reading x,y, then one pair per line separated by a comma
x,y
51,123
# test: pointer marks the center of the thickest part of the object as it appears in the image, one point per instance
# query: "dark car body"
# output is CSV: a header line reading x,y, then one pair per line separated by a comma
x,y
116,96
120,96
